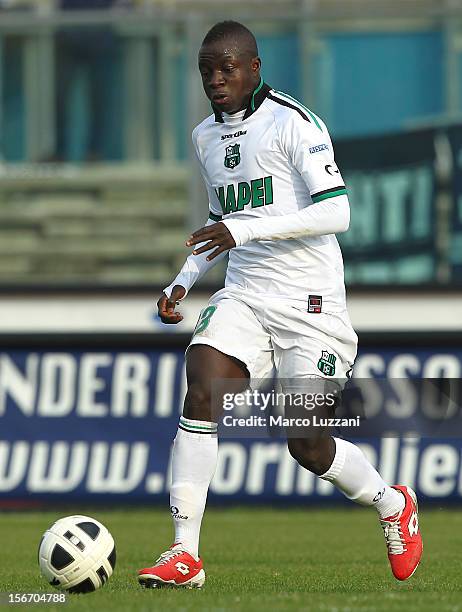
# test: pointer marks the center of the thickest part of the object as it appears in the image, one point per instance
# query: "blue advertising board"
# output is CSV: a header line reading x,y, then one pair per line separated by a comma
x,y
97,426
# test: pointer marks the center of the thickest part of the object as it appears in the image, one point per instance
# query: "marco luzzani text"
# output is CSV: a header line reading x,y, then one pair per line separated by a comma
x,y
267,404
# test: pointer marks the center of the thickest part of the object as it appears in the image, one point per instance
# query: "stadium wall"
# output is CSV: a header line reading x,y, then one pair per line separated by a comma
x,y
90,417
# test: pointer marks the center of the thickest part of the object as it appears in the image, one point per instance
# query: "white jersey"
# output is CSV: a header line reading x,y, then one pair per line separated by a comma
x,y
273,159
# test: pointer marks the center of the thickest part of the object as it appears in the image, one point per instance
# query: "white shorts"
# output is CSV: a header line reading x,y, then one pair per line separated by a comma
x,y
274,334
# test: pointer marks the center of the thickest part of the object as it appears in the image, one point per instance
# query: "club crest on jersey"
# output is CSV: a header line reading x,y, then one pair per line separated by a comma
x,y
233,156
326,363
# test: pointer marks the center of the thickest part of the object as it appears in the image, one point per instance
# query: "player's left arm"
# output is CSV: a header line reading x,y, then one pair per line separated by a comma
x,y
331,216
309,149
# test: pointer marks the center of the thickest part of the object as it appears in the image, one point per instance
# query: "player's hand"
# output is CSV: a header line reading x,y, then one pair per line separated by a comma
x,y
166,306
217,236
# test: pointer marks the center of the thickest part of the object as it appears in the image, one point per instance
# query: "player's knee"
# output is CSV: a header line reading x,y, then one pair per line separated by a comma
x,y
197,403
309,452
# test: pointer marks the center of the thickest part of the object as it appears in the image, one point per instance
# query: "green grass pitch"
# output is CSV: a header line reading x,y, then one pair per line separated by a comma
x,y
255,559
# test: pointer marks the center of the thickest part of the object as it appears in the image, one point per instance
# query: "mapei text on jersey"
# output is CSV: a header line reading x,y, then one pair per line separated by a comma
x,y
233,198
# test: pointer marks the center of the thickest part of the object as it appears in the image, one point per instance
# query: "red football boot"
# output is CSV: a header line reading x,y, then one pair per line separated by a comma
x,y
403,538
175,568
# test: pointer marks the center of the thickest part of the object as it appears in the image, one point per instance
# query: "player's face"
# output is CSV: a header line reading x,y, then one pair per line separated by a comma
x,y
228,76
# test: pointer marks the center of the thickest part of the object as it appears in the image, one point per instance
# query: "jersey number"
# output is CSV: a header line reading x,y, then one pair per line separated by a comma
x,y
204,319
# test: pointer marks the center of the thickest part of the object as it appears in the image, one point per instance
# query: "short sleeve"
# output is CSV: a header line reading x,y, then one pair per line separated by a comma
x,y
215,211
309,147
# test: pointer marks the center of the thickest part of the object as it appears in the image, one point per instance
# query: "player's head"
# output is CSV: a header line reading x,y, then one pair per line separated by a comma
x,y
229,65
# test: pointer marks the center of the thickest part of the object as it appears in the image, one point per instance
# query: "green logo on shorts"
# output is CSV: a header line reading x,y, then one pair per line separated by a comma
x,y
327,363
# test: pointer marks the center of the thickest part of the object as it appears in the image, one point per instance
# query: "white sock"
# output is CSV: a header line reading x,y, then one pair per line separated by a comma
x,y
194,460
352,473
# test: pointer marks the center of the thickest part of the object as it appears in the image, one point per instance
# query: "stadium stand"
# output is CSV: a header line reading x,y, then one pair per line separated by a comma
x,y
94,226
81,221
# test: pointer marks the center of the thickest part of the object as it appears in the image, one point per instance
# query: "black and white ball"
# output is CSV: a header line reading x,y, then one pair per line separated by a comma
x,y
77,554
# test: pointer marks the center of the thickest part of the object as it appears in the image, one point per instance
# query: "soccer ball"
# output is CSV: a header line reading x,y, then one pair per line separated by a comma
x,y
77,554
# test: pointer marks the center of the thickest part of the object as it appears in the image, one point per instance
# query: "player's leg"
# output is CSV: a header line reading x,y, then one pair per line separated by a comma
x,y
327,351
311,446
226,348
345,465
331,458
194,459
195,448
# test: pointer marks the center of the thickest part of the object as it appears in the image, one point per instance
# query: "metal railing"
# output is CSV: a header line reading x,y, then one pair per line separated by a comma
x,y
176,27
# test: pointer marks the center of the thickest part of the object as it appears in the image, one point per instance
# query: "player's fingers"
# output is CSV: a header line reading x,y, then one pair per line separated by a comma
x,y
165,314
206,247
162,304
200,235
170,319
216,252
169,314
161,301
170,305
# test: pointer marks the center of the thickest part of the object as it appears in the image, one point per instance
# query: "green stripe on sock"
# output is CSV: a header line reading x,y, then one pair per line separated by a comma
x,y
325,196
206,428
194,429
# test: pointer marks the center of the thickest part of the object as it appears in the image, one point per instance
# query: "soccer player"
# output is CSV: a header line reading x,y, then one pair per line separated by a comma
x,y
276,200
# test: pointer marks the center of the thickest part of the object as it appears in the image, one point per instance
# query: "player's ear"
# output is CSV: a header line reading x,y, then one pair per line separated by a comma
x,y
255,64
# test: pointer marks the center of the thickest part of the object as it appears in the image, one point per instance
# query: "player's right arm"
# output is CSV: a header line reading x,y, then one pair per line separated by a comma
x,y
193,269
197,264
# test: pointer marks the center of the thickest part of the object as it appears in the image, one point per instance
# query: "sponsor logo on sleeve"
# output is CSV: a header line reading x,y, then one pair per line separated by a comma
x,y
318,148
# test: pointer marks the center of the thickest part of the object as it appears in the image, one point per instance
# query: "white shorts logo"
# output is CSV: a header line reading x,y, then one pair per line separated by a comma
x,y
182,568
413,525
